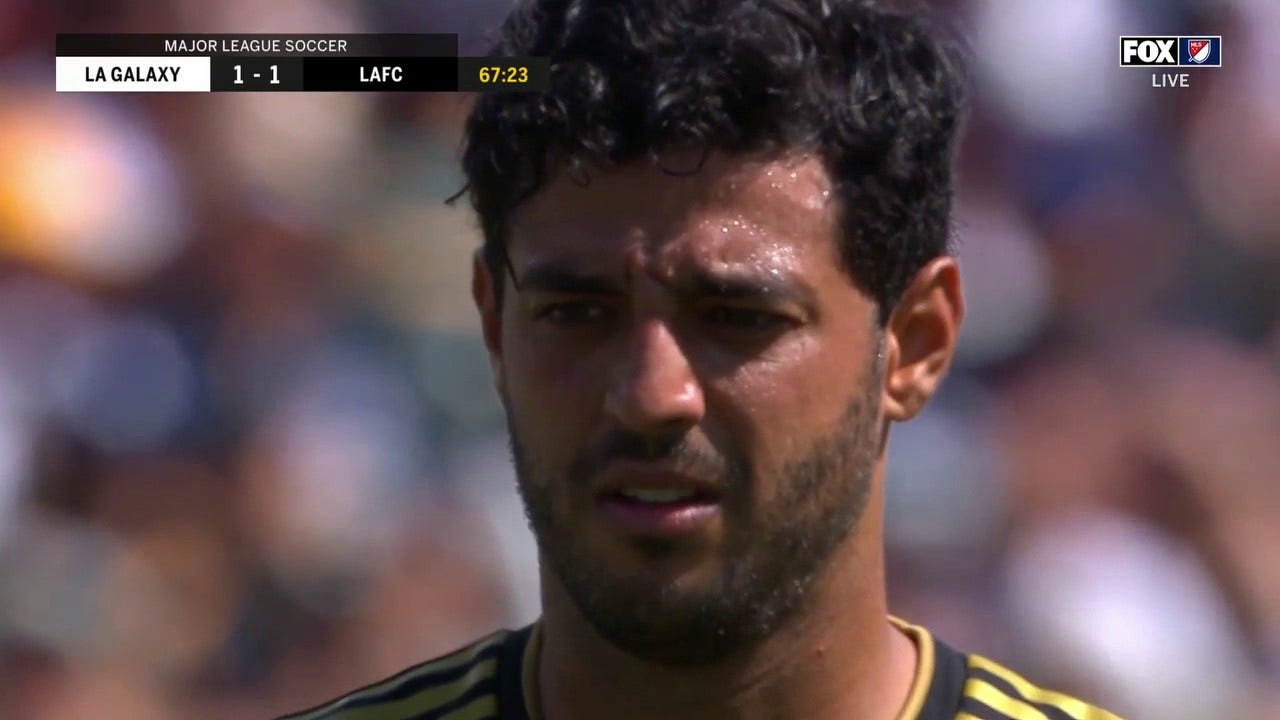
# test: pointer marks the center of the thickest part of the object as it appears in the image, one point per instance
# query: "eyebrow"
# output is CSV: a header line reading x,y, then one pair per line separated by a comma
x,y
543,276
738,286
547,277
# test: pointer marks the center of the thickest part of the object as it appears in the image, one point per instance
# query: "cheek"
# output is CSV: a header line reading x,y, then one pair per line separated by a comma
x,y
552,395
784,402
776,386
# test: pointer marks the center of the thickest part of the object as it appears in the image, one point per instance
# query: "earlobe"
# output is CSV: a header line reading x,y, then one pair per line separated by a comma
x,y
920,339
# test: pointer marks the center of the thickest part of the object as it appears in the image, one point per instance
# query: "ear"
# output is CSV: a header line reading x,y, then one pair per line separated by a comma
x,y
484,293
920,338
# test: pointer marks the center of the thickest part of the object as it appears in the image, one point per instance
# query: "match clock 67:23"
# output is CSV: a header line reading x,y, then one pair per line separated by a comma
x,y
488,74
503,74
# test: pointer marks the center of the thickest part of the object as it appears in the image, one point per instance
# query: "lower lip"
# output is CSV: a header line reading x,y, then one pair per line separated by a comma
x,y
656,519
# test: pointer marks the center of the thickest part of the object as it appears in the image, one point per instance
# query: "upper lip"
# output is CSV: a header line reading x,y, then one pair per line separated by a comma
x,y
635,475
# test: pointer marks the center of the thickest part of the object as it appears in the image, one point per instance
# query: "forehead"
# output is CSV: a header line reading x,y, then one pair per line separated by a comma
x,y
733,211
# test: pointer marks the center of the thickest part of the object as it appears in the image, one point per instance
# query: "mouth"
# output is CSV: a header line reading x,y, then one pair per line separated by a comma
x,y
657,505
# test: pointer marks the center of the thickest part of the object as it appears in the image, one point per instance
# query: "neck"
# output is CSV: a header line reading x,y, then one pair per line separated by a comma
x,y
839,658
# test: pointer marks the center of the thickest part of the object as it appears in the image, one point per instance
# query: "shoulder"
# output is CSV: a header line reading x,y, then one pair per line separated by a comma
x,y
473,682
992,692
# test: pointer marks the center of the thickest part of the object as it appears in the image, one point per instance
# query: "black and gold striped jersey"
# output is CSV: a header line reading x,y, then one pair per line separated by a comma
x,y
481,681
491,680
951,685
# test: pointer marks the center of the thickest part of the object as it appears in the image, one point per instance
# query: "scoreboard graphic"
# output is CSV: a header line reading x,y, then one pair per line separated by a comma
x,y
286,63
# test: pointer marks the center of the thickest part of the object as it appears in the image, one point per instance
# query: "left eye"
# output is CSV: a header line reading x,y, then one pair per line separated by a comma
x,y
573,313
745,318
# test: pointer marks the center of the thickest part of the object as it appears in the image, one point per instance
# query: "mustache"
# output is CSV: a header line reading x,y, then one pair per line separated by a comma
x,y
680,451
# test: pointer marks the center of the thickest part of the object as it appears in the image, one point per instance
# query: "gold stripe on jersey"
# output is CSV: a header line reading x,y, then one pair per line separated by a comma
x,y
529,673
428,699
998,700
924,668
336,710
1076,708
481,707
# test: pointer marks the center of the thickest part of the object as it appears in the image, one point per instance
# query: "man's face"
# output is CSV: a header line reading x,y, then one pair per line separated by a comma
x,y
692,389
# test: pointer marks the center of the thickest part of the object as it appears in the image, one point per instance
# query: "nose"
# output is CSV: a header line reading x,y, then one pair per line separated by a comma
x,y
655,388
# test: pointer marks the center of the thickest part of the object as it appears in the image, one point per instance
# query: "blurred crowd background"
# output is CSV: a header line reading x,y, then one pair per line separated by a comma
x,y
250,456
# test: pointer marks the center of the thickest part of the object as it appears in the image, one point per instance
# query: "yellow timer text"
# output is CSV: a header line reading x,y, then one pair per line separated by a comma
x,y
490,74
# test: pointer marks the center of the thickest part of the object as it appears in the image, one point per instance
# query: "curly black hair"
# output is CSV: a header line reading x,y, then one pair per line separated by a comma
x,y
876,93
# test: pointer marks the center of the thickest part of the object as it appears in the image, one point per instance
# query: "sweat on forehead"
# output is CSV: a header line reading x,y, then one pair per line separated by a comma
x,y
732,208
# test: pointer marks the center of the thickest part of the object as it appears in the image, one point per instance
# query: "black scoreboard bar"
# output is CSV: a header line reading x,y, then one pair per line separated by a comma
x,y
332,74
286,63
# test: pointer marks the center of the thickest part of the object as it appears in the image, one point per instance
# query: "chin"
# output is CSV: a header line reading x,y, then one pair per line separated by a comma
x,y
655,565
674,625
